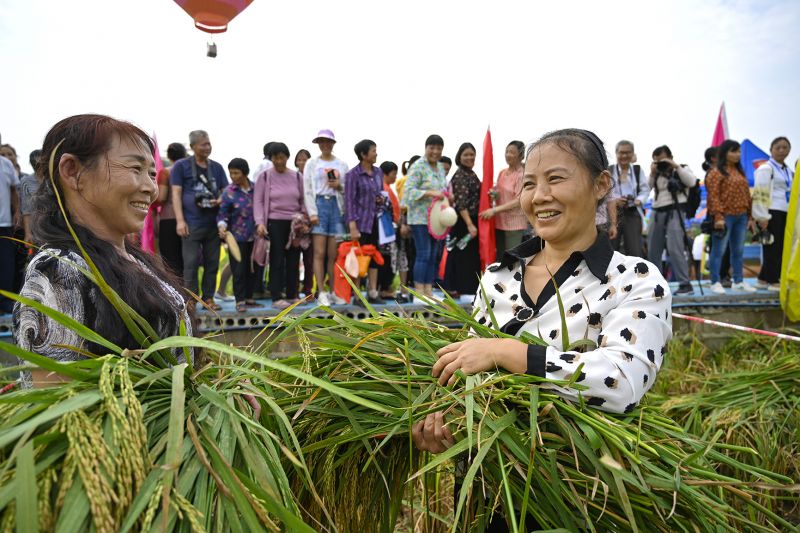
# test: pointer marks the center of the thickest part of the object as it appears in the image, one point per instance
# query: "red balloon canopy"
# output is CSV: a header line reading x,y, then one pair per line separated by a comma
x,y
213,16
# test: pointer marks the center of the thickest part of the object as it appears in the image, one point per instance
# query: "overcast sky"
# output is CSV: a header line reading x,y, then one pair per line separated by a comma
x,y
394,72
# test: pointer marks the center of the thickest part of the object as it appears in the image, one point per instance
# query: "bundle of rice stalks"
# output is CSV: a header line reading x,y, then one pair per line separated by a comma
x,y
755,409
541,461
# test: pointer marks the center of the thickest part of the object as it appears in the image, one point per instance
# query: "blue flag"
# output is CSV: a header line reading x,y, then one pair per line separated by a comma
x,y
752,157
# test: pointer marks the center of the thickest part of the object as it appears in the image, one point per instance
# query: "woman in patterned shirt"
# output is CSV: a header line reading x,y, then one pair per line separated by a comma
x,y
104,173
619,303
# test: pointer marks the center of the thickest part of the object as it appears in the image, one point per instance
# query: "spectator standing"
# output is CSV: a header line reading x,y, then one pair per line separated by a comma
x,y
28,184
631,191
18,230
729,204
265,163
393,260
670,181
169,242
323,184
364,202
197,184
773,185
236,215
278,198
426,182
307,254
511,222
463,268
8,211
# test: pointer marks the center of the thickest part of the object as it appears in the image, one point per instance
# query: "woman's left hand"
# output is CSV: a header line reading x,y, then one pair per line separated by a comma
x,y
479,355
489,213
473,230
751,225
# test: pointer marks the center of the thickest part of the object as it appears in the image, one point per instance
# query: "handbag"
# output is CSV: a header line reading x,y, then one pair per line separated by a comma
x,y
260,251
363,260
351,265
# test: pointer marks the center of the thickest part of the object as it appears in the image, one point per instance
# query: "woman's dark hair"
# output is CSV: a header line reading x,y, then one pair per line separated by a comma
x,y
708,156
776,140
387,167
584,145
240,164
728,145
461,149
267,150
276,148
33,159
9,147
434,140
520,146
362,148
407,164
663,149
446,160
300,152
89,138
176,151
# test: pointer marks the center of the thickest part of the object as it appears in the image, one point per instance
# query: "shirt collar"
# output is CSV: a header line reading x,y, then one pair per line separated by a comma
x,y
597,256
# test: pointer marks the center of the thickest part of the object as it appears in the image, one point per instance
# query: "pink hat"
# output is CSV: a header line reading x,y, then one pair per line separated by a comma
x,y
324,134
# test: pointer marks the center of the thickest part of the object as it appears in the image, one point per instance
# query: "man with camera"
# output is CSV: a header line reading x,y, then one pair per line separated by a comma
x,y
671,182
631,190
197,183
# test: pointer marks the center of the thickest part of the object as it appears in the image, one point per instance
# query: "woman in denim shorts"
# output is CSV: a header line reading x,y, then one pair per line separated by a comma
x,y
324,178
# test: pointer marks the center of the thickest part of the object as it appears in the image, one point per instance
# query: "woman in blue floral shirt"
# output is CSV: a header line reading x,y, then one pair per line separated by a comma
x,y
236,215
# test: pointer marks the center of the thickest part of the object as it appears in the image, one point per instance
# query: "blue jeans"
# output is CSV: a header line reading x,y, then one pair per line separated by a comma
x,y
735,229
425,263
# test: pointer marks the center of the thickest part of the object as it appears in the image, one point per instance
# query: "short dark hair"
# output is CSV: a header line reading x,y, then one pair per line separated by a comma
x,y
776,140
663,149
362,148
434,140
300,152
267,148
387,167
407,164
33,159
710,153
520,146
176,151
461,149
239,164
276,148
728,145
446,160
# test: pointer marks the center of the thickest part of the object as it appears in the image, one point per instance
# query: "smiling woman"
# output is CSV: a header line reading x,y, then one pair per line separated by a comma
x,y
103,172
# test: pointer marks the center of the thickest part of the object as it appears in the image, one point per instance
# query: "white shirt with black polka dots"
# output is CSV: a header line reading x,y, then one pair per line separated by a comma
x,y
620,303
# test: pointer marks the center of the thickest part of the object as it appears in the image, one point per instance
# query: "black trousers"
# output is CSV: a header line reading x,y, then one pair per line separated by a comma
x,y
244,278
629,233
284,265
773,253
169,245
205,239
7,267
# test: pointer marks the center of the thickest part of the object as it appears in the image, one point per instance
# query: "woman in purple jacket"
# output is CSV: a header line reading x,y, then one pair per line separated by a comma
x,y
278,197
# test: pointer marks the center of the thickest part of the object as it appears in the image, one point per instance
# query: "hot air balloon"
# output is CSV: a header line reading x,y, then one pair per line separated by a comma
x,y
213,16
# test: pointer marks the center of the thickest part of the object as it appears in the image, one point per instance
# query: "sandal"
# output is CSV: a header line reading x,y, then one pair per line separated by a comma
x,y
211,305
241,307
252,303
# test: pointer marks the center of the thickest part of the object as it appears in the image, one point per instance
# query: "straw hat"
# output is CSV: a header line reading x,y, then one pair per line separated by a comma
x,y
441,217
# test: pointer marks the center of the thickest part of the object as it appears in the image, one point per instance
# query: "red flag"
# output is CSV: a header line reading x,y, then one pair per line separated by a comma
x,y
721,129
148,237
486,240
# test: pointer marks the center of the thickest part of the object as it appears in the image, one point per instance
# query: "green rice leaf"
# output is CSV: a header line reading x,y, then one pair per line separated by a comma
x,y
27,500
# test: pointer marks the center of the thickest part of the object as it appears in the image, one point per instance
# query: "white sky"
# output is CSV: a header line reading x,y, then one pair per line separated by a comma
x,y
396,71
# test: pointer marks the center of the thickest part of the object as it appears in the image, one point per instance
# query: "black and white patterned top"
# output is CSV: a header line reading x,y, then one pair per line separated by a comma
x,y
53,278
621,303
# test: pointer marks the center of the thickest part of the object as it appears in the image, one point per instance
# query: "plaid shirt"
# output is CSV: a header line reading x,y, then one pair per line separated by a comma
x,y
360,191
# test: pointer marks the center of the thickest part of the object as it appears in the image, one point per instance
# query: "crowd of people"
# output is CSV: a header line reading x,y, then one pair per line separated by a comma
x,y
286,223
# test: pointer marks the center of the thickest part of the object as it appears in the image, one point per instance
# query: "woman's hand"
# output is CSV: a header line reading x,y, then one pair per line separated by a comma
x,y
355,234
222,233
314,219
763,224
261,230
489,213
182,229
472,230
478,355
431,434
434,194
719,224
751,226
405,231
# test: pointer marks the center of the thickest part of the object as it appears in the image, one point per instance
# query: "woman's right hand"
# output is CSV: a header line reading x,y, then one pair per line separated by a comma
x,y
719,224
489,213
763,224
261,230
182,229
405,231
314,220
431,434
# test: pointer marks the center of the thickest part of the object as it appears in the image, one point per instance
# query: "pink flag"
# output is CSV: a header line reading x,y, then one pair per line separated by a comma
x,y
148,240
721,131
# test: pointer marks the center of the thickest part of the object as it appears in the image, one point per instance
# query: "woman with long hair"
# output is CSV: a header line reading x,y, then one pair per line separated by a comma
x,y
729,203
463,267
773,184
104,173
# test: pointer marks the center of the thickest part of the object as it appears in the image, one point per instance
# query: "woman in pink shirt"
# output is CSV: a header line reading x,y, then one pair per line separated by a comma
x,y
510,224
278,197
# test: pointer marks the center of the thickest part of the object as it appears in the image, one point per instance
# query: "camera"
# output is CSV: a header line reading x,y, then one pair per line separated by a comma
x,y
663,167
204,200
674,184
764,237
630,202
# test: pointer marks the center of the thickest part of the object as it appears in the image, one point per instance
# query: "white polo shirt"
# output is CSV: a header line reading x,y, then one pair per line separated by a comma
x,y
8,180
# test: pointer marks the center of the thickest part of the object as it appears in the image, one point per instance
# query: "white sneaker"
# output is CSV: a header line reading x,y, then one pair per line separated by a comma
x,y
742,286
761,284
226,298
323,299
717,288
774,287
337,300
